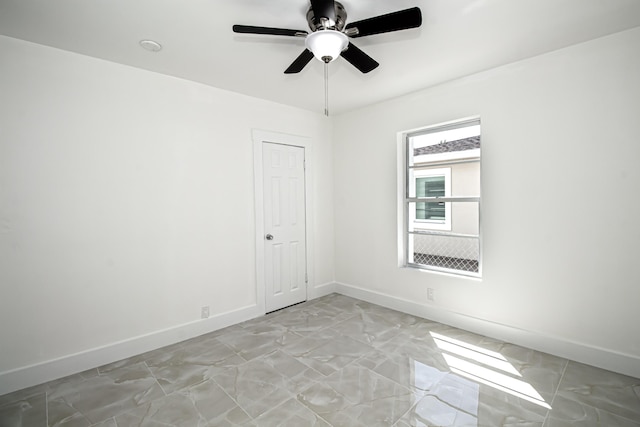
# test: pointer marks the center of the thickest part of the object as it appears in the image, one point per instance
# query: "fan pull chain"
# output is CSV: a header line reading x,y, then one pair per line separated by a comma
x,y
326,89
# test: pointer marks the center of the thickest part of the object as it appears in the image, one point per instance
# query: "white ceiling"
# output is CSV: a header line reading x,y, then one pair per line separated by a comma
x,y
457,38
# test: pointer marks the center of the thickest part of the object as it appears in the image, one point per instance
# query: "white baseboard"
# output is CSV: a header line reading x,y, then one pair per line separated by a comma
x,y
39,373
626,364
321,290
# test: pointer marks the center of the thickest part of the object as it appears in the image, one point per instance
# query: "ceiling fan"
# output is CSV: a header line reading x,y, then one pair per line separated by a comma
x,y
329,37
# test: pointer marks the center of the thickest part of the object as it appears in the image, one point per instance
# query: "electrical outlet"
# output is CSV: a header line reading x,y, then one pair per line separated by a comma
x,y
204,312
430,295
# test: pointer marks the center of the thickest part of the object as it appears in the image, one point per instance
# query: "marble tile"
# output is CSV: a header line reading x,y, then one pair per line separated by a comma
x,y
497,408
304,320
384,409
285,364
329,404
63,414
300,376
258,339
172,378
28,410
343,304
359,384
202,343
307,343
458,402
335,354
111,422
543,371
176,410
134,360
104,396
255,386
448,400
375,399
432,412
406,341
419,362
65,381
569,412
391,317
192,364
607,392
215,405
416,375
371,329
290,414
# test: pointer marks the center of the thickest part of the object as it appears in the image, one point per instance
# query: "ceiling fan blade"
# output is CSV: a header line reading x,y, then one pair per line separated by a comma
x,y
395,21
324,9
300,62
249,29
359,59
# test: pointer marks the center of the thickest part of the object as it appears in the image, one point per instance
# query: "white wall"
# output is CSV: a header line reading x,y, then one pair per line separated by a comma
x,y
560,130
127,204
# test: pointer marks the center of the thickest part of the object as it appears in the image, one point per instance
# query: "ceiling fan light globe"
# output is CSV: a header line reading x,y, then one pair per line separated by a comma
x,y
326,44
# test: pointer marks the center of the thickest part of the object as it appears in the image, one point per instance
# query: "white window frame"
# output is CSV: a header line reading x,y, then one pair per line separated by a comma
x,y
403,214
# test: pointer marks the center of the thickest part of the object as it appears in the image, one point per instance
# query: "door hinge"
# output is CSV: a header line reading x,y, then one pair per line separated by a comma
x,y
306,278
304,164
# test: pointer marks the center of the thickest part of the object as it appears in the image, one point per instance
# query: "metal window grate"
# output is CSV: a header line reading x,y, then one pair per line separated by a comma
x,y
461,253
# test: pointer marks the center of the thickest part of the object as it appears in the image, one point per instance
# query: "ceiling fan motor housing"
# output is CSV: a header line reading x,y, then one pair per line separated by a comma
x,y
322,24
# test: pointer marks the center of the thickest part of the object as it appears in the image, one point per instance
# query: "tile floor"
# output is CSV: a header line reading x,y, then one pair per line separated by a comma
x,y
334,361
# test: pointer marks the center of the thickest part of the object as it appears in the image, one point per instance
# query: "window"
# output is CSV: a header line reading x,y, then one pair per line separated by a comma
x,y
431,183
440,203
432,186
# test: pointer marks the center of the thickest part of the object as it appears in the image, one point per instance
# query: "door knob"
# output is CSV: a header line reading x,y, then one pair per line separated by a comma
x,y
269,237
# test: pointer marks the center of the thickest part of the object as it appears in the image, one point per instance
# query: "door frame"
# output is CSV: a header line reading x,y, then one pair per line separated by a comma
x,y
259,137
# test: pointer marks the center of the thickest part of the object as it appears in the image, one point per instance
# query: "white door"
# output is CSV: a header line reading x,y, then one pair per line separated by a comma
x,y
284,225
